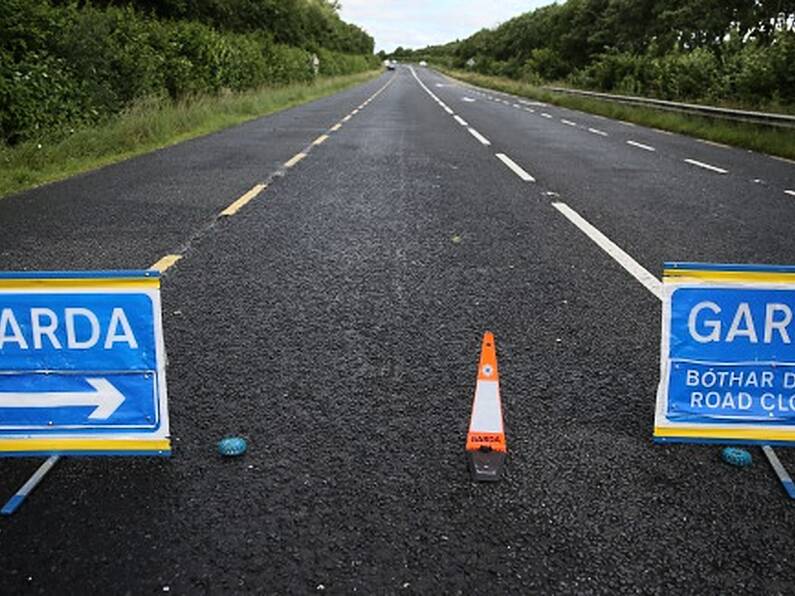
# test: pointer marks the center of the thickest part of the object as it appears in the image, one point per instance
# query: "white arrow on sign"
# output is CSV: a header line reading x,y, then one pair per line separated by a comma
x,y
105,397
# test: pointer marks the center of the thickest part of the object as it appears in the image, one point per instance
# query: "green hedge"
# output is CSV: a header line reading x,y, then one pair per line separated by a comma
x,y
63,67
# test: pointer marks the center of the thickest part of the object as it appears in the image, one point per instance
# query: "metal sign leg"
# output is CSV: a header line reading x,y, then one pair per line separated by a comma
x,y
17,500
783,475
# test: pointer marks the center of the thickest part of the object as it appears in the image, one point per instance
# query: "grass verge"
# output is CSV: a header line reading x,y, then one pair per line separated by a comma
x,y
765,139
150,125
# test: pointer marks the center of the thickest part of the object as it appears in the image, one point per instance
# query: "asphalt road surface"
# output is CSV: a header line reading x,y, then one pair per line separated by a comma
x,y
333,321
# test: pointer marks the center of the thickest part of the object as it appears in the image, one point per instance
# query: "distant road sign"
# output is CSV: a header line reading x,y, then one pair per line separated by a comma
x,y
82,364
727,359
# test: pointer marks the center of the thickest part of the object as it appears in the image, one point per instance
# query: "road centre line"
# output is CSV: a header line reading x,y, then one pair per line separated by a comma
x,y
706,166
641,146
336,127
545,115
568,122
478,136
320,139
460,120
243,200
634,268
516,105
294,159
790,192
348,117
166,263
515,168
354,112
448,110
596,131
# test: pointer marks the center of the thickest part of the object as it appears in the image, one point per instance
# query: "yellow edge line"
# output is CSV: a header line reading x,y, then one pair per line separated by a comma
x,y
294,160
166,263
239,203
726,433
85,444
320,139
737,276
43,284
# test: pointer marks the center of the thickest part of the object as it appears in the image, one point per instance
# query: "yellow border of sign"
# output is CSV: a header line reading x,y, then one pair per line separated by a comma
x,y
48,284
740,434
728,276
87,445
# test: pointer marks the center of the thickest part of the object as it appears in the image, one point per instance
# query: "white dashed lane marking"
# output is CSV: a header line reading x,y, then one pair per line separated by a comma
x,y
706,166
460,120
641,146
479,136
515,168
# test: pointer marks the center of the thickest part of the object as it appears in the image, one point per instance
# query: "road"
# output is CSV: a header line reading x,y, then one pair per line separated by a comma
x,y
333,321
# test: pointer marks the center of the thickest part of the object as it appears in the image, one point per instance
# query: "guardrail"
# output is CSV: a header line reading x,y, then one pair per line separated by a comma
x,y
769,119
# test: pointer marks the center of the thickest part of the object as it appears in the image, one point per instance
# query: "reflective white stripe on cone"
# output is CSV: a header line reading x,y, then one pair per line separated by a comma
x,y
486,446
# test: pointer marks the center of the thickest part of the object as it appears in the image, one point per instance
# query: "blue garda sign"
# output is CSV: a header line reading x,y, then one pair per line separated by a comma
x,y
727,358
82,364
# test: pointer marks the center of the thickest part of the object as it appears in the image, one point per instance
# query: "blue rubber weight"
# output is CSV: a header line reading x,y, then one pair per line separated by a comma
x,y
736,457
231,446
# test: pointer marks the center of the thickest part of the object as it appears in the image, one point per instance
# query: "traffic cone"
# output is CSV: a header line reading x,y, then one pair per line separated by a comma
x,y
486,446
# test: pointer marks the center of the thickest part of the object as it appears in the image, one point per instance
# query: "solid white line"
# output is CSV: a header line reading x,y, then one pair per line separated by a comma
x,y
634,268
515,168
595,131
545,115
641,146
706,166
568,122
460,120
790,192
479,136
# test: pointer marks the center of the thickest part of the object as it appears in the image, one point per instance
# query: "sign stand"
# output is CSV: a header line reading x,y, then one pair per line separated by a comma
x,y
14,502
781,472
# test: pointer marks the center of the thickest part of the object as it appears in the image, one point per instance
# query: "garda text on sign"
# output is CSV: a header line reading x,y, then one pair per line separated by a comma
x,y
82,364
727,359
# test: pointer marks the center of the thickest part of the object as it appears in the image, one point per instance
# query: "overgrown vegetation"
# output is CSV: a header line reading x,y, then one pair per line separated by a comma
x,y
736,52
740,134
150,124
68,65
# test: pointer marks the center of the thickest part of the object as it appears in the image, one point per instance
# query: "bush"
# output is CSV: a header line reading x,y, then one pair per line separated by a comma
x,y
65,66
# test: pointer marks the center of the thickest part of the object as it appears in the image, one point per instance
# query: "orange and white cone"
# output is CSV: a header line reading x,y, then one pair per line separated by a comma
x,y
486,446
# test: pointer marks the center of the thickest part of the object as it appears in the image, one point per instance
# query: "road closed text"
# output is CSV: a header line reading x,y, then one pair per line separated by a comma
x,y
732,391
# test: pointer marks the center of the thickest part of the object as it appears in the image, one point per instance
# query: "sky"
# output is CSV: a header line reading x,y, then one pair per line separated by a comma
x,y
419,23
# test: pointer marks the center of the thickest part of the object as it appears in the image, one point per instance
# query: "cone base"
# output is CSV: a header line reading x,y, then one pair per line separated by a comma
x,y
485,466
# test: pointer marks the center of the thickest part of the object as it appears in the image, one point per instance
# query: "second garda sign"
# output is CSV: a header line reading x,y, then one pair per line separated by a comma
x,y
727,370
82,364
